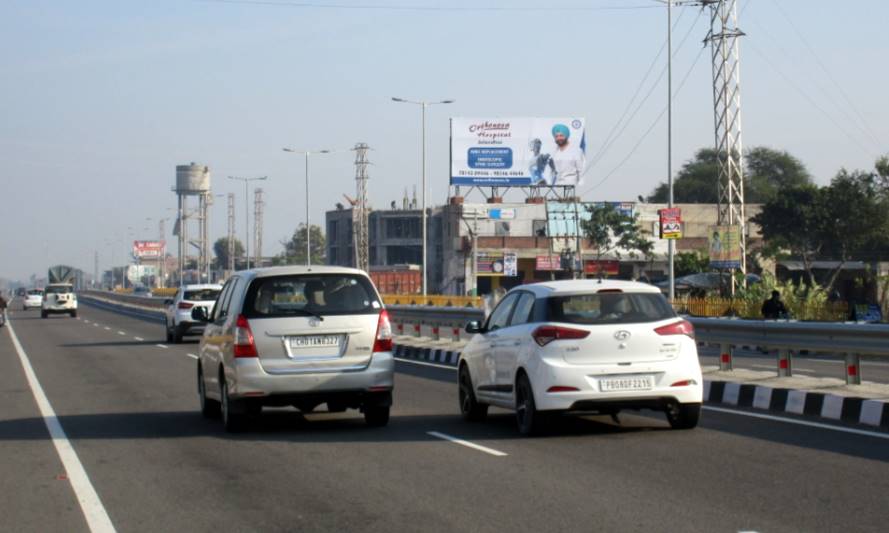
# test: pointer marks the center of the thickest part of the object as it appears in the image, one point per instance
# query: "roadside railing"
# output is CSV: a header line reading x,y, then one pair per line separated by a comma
x,y
726,307
433,300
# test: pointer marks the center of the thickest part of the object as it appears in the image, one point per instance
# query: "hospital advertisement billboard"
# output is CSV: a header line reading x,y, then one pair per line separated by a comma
x,y
518,152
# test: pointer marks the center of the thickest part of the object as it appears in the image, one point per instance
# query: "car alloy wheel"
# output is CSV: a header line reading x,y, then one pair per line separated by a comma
x,y
469,406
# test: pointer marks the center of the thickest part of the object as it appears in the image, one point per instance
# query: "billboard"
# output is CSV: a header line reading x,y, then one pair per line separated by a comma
x,y
670,223
148,249
497,264
518,152
725,246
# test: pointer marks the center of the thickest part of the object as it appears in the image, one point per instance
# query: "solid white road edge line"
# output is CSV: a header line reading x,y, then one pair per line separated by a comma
x,y
799,422
424,363
193,356
164,346
96,516
466,443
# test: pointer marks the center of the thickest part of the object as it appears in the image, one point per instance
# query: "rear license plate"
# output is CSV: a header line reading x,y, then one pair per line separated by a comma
x,y
626,383
315,341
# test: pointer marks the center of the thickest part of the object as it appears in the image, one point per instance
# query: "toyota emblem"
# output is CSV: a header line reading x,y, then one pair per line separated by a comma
x,y
622,335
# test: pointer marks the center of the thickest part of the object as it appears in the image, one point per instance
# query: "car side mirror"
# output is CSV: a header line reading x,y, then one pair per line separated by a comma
x,y
168,301
199,314
474,326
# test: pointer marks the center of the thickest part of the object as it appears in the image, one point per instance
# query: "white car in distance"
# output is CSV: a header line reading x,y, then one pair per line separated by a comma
x,y
33,299
584,347
58,298
178,321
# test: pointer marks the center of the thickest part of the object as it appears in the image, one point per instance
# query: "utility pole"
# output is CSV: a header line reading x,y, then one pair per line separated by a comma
x,y
231,232
162,259
247,213
360,211
723,39
671,250
258,204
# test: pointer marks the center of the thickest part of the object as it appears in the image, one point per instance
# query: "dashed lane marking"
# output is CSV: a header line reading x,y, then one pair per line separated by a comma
x,y
96,516
193,356
121,332
107,328
140,339
164,346
466,443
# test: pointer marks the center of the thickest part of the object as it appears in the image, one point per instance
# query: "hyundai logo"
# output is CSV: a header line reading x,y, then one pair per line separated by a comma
x,y
622,335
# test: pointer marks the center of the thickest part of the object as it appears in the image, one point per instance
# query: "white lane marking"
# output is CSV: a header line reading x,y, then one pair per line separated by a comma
x,y
140,339
121,332
466,443
107,328
800,422
96,516
96,324
424,363
193,356
164,346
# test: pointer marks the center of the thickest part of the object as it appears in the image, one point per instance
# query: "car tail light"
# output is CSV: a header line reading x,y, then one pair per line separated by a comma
x,y
245,346
383,340
683,327
684,383
185,305
547,334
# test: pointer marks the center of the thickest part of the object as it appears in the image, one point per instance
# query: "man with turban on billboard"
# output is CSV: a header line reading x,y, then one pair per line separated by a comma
x,y
567,158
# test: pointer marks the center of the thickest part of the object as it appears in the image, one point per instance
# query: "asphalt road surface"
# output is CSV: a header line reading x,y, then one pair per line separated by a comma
x,y
127,412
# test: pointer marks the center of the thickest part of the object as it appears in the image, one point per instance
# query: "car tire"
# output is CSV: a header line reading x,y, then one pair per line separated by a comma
x,y
43,314
684,415
209,408
529,420
470,408
169,332
73,314
233,419
376,415
177,335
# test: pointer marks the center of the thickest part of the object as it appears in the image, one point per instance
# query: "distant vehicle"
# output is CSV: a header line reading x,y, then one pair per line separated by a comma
x,y
582,347
178,321
33,299
141,290
61,274
299,336
21,291
59,298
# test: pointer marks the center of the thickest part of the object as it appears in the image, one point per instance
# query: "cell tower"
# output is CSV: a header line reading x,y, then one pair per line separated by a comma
x,y
258,203
723,39
231,232
360,210
193,180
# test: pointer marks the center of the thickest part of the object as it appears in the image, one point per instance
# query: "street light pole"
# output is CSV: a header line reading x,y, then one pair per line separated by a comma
x,y
247,213
307,153
423,104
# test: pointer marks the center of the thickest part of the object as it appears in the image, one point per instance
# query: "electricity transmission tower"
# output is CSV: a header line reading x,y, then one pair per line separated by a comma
x,y
723,39
360,210
258,204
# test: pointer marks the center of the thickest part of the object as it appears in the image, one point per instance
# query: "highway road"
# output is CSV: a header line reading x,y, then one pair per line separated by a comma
x,y
127,407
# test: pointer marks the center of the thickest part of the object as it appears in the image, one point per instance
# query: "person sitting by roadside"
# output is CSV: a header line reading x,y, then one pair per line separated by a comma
x,y
773,308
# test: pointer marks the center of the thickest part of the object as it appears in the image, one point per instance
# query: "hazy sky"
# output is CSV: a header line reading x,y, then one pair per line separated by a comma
x,y
101,100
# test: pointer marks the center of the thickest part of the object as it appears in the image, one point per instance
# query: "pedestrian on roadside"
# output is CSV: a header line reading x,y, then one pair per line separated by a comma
x,y
3,306
773,308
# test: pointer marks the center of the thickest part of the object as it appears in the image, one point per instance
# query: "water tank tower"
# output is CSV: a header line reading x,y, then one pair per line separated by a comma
x,y
193,222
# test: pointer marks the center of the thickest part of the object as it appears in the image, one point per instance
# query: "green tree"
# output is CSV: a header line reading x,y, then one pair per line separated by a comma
x,y
691,263
613,233
220,248
765,172
295,248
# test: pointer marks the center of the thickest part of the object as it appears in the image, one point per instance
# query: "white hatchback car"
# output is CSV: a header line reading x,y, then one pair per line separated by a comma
x,y
178,309
582,346
59,298
33,299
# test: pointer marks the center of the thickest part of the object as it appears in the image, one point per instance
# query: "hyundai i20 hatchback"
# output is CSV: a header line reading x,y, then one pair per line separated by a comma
x,y
300,336
583,347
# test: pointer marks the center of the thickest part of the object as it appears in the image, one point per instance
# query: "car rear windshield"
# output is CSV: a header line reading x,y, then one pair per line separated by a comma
x,y
311,294
59,289
35,292
608,308
201,295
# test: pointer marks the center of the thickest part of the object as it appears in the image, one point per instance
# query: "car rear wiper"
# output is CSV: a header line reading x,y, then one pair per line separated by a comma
x,y
306,312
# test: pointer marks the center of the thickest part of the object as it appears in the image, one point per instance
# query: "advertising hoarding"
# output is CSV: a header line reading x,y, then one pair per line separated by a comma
x,y
518,152
547,263
494,264
607,267
725,246
148,249
670,223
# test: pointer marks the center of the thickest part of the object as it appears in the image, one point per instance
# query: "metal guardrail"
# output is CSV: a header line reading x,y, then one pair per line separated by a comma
x,y
433,300
853,340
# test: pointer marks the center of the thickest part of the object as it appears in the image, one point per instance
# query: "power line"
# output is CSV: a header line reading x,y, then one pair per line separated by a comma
x,y
392,7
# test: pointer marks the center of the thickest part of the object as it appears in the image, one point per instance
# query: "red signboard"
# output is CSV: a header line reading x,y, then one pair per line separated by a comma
x,y
548,263
605,268
671,223
148,249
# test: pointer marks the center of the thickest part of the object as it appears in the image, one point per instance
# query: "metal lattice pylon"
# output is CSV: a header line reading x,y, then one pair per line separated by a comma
x,y
723,39
360,229
258,204
231,232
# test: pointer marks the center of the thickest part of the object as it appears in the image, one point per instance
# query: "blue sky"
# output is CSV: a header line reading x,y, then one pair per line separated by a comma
x,y
101,99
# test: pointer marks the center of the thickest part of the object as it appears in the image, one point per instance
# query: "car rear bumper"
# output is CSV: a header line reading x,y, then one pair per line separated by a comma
x,y
33,305
191,328
66,308
247,378
590,396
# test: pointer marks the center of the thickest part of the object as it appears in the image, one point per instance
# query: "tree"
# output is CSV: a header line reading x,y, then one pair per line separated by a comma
x,y
612,232
765,172
691,263
295,248
220,248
